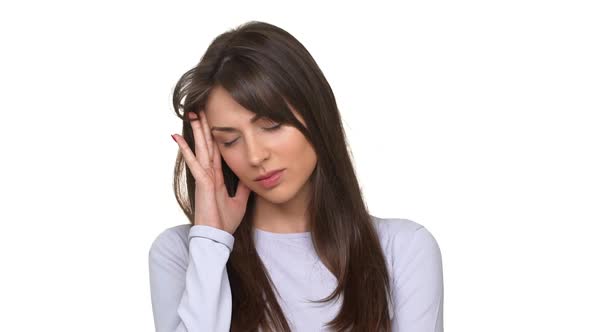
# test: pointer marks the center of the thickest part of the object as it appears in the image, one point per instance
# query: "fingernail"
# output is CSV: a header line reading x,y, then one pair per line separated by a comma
x,y
192,116
173,138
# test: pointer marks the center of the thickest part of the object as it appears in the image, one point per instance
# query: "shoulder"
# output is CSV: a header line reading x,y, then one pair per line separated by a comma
x,y
416,274
405,238
394,226
170,244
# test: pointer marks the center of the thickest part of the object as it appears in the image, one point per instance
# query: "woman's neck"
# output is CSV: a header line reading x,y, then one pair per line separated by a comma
x,y
288,217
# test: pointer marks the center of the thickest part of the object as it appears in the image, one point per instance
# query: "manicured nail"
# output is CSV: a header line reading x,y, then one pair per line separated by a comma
x,y
173,138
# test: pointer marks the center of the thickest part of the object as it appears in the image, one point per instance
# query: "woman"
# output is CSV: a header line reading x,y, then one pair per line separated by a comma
x,y
280,238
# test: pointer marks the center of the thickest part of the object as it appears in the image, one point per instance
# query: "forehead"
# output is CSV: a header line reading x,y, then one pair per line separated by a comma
x,y
222,109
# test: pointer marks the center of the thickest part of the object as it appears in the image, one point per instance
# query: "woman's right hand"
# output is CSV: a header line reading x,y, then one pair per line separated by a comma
x,y
213,205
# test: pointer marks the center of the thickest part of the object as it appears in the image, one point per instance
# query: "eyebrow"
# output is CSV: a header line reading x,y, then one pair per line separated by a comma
x,y
232,129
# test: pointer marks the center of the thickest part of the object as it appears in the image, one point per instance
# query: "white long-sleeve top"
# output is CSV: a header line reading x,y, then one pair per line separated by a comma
x,y
190,289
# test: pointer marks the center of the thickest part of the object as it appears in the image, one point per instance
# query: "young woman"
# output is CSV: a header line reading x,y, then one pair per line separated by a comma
x,y
280,238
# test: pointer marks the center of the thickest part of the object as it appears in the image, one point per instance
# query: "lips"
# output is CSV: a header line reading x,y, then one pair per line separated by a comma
x,y
267,175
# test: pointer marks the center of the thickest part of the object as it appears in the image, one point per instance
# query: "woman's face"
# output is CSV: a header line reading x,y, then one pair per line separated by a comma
x,y
251,149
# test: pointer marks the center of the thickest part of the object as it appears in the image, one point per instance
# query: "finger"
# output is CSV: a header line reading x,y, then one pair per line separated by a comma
x,y
207,133
219,180
192,163
200,146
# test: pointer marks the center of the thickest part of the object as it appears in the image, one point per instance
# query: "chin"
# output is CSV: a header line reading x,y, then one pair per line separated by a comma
x,y
276,196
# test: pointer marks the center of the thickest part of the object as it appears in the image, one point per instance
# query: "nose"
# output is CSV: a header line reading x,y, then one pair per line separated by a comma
x,y
257,151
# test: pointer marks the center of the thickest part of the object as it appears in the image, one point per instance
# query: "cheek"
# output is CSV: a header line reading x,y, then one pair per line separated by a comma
x,y
233,161
289,143
294,144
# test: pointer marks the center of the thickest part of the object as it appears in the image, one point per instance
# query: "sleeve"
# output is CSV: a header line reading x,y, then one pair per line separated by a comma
x,y
191,294
418,291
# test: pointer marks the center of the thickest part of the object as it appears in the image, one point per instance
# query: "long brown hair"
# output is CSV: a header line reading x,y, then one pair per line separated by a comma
x,y
266,70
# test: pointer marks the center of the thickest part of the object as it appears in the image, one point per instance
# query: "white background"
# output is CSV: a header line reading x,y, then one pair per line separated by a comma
x,y
468,117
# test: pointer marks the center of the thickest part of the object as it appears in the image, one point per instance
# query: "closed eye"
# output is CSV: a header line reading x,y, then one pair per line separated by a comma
x,y
267,129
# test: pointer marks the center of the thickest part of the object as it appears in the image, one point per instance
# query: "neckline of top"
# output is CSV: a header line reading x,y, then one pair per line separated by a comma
x,y
282,235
